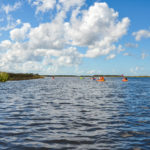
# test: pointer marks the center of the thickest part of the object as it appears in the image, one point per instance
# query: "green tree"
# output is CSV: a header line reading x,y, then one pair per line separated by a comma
x,y
3,76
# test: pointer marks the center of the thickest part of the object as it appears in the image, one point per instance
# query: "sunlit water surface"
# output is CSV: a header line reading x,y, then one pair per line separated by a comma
x,y
70,113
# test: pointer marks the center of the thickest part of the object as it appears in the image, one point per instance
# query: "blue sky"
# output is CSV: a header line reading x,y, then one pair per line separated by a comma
x,y
81,37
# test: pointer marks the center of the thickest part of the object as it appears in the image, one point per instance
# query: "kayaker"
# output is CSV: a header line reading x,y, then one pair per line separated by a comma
x,y
124,79
101,78
93,78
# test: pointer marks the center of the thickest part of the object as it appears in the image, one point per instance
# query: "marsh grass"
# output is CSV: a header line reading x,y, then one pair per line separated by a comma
x,y
23,76
3,76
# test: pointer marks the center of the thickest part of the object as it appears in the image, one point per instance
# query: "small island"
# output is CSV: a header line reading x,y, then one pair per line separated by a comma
x,y
4,76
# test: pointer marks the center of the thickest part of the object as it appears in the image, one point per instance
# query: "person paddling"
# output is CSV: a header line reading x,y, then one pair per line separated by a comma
x,y
93,78
101,79
124,78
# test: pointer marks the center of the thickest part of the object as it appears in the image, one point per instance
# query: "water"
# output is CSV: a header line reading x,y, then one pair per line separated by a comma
x,y
69,113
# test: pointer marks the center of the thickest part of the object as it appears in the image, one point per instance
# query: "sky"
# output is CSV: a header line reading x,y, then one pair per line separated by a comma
x,y
75,37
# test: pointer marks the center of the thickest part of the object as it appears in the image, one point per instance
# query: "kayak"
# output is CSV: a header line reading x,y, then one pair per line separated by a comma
x,y
124,80
100,80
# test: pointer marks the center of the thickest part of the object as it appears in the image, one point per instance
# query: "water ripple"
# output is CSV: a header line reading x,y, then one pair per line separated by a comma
x,y
69,113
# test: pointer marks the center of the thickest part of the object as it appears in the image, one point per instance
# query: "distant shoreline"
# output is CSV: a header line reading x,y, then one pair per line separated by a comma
x,y
29,76
95,76
5,76
23,76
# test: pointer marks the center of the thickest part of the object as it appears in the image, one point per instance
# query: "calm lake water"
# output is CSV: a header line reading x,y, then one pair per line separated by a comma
x,y
70,113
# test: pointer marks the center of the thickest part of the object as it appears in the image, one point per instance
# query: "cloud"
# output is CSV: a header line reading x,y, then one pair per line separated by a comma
x,y
112,56
29,66
19,57
9,8
67,4
47,36
131,45
92,72
7,20
98,29
65,57
106,30
120,49
20,34
136,70
128,54
56,43
141,34
69,57
46,5
43,5
6,44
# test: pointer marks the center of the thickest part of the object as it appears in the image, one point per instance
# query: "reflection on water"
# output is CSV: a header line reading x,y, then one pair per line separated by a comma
x,y
69,113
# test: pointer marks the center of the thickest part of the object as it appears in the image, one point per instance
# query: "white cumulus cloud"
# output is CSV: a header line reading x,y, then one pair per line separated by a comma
x,y
48,36
20,34
56,43
43,5
5,45
141,34
98,29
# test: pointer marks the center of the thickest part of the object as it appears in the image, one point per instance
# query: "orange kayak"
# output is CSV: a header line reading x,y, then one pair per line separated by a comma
x,y
124,80
100,80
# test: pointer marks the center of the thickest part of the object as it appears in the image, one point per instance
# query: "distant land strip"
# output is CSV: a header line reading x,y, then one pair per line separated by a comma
x,y
94,76
5,76
23,76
